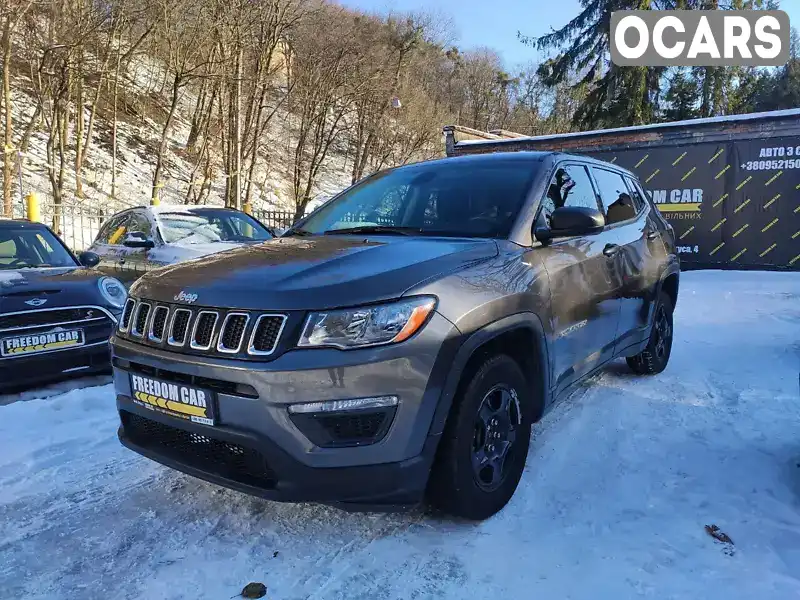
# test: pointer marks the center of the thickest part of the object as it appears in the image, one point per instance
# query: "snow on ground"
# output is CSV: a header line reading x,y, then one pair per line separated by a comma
x,y
622,477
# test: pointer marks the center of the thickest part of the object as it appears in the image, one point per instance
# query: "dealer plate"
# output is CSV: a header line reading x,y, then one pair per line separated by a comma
x,y
174,399
24,345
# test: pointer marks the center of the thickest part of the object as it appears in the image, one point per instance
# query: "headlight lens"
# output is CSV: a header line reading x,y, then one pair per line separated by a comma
x,y
367,325
113,292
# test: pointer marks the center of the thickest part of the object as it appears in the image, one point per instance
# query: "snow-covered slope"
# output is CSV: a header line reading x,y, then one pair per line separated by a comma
x,y
622,478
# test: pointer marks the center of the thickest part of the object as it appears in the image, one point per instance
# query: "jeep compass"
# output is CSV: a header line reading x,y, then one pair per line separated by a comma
x,y
397,344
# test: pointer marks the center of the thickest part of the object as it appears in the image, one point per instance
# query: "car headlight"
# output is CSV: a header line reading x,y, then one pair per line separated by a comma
x,y
367,325
113,292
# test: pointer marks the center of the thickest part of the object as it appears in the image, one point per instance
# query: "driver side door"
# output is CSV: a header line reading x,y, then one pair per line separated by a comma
x,y
584,308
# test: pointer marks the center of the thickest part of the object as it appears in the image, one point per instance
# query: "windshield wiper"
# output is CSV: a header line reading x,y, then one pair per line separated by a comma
x,y
295,232
379,229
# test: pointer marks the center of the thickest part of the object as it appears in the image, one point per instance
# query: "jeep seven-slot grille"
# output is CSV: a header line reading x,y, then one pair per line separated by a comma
x,y
125,321
159,324
140,321
180,326
230,339
265,336
202,330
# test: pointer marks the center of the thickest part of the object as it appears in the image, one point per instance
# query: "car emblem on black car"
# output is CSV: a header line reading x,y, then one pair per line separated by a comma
x,y
182,296
36,302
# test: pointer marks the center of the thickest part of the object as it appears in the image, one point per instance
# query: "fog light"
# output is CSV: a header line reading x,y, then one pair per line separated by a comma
x,y
343,405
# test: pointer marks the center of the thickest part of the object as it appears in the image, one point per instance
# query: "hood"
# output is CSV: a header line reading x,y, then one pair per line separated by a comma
x,y
312,273
62,286
176,252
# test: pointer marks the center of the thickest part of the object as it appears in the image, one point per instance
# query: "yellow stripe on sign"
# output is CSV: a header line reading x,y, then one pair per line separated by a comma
x,y
769,225
796,235
768,250
721,173
720,201
714,251
797,210
170,405
716,156
689,174
679,159
742,205
739,254
774,178
718,225
687,232
741,229
744,183
794,260
639,164
771,202
656,172
688,207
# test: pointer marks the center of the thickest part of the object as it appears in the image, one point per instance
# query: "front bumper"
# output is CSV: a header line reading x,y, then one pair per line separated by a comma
x,y
24,372
256,432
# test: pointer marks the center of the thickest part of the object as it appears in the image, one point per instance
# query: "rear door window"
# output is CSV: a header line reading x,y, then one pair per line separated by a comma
x,y
618,206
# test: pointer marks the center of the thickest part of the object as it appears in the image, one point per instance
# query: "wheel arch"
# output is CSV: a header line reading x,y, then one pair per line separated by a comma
x,y
522,337
670,284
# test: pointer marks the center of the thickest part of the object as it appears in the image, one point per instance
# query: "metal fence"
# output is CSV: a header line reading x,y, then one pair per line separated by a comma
x,y
78,223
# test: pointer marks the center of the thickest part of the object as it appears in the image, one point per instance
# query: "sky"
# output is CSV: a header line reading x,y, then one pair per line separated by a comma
x,y
495,23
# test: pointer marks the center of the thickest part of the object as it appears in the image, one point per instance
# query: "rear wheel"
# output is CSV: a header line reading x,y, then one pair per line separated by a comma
x,y
654,358
485,443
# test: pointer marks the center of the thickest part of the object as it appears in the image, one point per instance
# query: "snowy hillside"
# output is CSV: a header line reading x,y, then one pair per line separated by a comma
x,y
623,477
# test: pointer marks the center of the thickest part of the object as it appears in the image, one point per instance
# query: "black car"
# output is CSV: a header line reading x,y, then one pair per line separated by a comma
x,y
56,313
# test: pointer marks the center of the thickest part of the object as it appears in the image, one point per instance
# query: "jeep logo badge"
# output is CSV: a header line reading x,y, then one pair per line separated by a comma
x,y
184,297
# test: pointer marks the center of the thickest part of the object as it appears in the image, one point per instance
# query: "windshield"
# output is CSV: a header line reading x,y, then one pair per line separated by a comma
x,y
26,246
442,198
204,226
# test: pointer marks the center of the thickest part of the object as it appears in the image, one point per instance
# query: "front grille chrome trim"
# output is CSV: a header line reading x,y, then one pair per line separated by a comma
x,y
192,343
151,333
171,341
135,319
223,349
250,346
123,325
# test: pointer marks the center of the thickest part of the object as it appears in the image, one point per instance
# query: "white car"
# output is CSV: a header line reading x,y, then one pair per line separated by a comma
x,y
137,240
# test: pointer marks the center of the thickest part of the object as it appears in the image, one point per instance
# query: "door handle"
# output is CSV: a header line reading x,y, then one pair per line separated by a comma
x,y
652,235
122,261
610,250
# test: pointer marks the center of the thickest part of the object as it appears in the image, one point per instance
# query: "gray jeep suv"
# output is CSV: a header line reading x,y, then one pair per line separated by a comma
x,y
398,343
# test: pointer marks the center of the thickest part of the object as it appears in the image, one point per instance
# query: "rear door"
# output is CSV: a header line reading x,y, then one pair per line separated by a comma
x,y
585,309
634,264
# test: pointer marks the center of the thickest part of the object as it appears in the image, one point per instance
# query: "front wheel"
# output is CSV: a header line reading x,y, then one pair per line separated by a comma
x,y
654,358
485,443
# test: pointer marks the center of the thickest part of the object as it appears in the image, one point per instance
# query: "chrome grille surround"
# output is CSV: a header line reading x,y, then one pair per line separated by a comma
x,y
136,329
221,346
251,349
193,344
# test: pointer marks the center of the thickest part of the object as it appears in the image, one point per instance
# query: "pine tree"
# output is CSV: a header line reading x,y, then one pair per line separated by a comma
x,y
682,98
618,95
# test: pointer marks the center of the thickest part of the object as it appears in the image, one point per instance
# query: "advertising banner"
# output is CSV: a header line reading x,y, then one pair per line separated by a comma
x,y
733,204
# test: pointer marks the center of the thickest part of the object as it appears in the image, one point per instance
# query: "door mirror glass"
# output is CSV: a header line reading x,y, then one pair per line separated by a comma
x,y
137,239
570,221
89,259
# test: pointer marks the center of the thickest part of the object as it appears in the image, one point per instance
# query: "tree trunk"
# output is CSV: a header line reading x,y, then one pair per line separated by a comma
x,y
8,155
79,127
114,128
162,146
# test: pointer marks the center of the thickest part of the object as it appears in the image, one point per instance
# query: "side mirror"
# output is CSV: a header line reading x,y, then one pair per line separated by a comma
x,y
136,239
89,259
569,221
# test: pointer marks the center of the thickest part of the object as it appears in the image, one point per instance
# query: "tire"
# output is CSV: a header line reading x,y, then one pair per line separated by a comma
x,y
458,485
654,358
